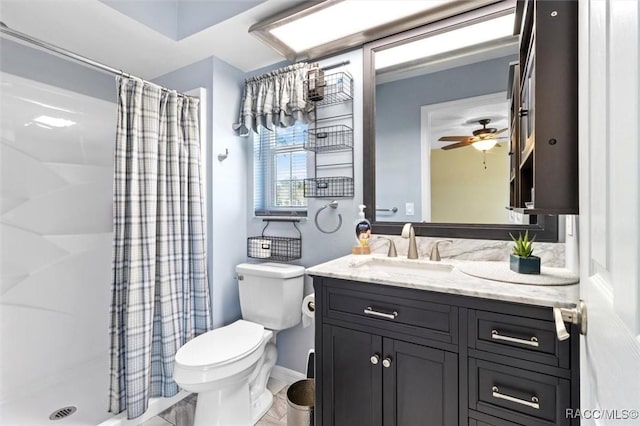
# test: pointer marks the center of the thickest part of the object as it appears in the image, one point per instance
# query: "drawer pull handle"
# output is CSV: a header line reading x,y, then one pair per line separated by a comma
x,y
534,403
369,311
531,342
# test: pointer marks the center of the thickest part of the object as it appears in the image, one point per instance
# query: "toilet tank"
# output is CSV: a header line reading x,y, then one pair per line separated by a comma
x,y
271,293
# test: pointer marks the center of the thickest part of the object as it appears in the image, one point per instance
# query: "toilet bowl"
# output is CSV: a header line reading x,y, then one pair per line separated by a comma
x,y
229,367
224,367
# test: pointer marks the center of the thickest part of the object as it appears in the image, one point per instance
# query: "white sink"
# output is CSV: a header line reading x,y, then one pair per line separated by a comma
x,y
398,266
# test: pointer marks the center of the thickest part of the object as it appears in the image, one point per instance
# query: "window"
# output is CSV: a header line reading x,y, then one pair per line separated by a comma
x,y
279,170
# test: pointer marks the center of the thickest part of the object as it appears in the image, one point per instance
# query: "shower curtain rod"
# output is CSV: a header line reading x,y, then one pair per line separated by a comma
x,y
5,29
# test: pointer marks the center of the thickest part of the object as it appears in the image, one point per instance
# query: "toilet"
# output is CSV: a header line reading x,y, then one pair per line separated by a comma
x,y
229,367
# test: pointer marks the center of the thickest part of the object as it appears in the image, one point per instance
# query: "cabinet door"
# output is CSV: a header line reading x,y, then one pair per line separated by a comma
x,y
420,385
352,384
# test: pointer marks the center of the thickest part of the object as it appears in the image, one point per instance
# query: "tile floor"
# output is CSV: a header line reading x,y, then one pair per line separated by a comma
x,y
182,413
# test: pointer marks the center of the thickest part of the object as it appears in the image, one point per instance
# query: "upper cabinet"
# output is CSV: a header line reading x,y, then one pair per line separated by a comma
x,y
544,109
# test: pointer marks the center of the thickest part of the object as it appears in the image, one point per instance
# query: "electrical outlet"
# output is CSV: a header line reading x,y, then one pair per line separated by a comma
x,y
408,209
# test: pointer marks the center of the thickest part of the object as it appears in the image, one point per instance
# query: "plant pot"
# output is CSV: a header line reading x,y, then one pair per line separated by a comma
x,y
525,265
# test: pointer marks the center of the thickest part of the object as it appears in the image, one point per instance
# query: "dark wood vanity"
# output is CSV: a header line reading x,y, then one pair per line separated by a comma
x,y
399,356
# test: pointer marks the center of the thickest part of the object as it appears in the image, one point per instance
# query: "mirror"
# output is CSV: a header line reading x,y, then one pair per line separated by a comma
x,y
448,79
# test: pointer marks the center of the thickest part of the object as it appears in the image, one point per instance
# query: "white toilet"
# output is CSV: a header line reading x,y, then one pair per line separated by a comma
x,y
229,367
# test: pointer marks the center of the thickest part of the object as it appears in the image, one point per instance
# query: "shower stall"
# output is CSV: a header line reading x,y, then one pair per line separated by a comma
x,y
58,121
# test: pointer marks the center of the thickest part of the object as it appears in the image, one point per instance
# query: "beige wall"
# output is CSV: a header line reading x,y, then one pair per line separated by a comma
x,y
463,191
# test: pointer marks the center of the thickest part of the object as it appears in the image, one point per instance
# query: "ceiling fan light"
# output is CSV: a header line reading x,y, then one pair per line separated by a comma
x,y
484,145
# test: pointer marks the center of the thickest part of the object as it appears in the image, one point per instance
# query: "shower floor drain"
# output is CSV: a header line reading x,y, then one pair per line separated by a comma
x,y
62,413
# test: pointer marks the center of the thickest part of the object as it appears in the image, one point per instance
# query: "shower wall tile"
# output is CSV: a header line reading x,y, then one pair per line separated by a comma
x,y
23,252
77,173
78,209
56,233
66,145
39,343
81,242
68,286
9,203
24,177
7,281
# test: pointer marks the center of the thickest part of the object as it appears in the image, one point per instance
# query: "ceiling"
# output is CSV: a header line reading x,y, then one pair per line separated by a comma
x,y
113,32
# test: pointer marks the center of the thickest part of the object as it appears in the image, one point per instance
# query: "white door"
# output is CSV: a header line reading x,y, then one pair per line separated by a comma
x,y
610,210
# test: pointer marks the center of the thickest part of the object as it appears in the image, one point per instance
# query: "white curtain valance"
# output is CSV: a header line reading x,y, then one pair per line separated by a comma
x,y
276,99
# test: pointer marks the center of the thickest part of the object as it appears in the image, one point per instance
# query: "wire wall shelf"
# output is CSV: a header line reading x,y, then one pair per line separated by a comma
x,y
338,88
329,187
332,144
330,138
282,249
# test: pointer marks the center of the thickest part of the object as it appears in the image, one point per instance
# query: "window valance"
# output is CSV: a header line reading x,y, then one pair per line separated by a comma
x,y
276,99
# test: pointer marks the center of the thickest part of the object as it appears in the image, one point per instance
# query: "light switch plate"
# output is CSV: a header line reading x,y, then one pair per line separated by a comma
x,y
408,209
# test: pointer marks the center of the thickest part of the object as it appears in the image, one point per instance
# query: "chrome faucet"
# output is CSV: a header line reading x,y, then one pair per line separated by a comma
x,y
435,253
408,232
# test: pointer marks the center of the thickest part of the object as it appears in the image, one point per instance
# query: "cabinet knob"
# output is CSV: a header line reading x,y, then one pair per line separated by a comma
x,y
375,359
386,362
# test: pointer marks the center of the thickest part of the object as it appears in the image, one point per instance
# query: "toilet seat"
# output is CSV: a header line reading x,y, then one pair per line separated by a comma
x,y
221,346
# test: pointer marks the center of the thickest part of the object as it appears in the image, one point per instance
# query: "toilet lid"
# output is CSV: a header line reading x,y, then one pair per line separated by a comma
x,y
221,345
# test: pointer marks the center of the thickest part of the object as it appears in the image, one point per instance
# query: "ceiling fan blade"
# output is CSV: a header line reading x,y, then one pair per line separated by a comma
x,y
456,145
501,130
453,138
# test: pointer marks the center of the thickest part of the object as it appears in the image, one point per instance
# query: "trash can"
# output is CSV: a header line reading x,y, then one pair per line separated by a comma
x,y
300,400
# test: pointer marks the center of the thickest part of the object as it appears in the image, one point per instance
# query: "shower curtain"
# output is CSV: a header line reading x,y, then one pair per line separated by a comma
x,y
160,294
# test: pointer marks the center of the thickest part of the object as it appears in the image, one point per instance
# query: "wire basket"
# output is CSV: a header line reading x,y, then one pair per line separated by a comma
x,y
338,88
330,138
328,187
283,249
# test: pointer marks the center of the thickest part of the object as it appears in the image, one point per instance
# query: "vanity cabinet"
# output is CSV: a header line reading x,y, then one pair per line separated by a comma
x,y
547,128
370,376
374,380
388,355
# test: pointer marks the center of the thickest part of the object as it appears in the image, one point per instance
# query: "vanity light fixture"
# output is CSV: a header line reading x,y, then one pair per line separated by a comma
x,y
318,28
484,145
470,35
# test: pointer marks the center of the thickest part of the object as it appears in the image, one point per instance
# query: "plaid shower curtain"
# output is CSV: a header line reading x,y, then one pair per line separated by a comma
x,y
160,294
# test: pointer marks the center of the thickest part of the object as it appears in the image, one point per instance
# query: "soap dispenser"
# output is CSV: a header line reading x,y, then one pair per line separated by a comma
x,y
363,233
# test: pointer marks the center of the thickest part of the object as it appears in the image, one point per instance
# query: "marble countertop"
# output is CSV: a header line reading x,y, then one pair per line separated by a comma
x,y
358,268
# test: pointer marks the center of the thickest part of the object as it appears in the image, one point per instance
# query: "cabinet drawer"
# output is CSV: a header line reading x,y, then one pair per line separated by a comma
x,y
517,395
481,419
394,313
518,337
491,422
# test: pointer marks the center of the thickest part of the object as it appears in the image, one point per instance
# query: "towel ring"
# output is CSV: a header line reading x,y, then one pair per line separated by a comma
x,y
333,205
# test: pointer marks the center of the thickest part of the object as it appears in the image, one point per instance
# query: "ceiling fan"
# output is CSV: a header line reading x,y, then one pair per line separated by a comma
x,y
482,139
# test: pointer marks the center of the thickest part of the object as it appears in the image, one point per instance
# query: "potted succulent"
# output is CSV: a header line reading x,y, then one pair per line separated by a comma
x,y
522,259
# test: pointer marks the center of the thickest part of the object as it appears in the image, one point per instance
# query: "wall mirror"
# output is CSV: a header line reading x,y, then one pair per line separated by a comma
x,y
450,80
